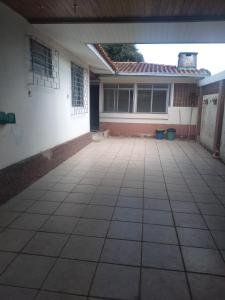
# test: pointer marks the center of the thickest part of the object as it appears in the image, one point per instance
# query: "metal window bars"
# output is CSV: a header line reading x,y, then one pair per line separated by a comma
x,y
79,89
44,64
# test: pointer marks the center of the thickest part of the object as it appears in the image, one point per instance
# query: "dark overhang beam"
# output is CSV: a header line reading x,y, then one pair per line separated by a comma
x,y
156,19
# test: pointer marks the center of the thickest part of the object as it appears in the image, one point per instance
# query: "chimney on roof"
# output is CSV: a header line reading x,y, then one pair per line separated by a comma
x,y
187,60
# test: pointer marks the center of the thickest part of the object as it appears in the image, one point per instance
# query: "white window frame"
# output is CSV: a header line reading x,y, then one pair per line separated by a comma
x,y
116,89
152,88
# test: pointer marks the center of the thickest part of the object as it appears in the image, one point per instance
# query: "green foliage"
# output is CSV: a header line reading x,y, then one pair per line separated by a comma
x,y
123,52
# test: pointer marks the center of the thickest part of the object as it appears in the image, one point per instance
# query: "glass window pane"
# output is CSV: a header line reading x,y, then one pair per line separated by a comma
x,y
159,101
123,101
144,101
109,100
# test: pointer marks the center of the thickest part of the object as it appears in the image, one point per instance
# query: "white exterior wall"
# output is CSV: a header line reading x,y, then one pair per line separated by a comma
x,y
44,119
222,145
208,121
175,115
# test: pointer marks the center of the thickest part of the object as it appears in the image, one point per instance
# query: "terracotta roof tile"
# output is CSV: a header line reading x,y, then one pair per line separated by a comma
x,y
105,56
141,67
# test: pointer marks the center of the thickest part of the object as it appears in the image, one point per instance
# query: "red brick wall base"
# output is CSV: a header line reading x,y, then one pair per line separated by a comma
x,y
134,129
15,178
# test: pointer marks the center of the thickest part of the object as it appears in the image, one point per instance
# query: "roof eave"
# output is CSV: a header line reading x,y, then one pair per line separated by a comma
x,y
100,57
152,74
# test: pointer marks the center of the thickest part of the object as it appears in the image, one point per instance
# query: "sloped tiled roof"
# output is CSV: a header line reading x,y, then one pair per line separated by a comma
x,y
142,67
102,52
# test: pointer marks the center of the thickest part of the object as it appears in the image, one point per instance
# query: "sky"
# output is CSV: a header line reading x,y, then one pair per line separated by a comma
x,y
210,56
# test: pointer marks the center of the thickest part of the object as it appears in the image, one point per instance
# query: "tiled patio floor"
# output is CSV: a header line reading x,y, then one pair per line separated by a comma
x,y
122,219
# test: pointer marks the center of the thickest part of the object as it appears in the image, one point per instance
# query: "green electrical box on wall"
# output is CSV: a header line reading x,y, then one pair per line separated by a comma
x,y
3,117
11,118
7,118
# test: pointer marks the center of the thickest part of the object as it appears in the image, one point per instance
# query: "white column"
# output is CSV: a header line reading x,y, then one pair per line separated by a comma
x,y
171,94
135,98
101,97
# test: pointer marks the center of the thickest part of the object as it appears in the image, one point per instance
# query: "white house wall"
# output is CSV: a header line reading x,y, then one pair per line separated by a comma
x,y
175,115
44,116
222,145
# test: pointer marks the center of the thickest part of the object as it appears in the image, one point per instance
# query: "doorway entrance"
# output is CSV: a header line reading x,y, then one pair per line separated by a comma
x,y
94,107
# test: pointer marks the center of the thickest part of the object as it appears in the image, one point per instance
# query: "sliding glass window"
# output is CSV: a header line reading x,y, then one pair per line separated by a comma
x,y
118,98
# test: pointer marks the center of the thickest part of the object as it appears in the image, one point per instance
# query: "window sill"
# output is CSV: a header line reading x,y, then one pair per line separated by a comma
x,y
135,116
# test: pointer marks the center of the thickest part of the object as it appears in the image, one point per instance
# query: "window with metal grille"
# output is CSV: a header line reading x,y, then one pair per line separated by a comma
x,y
41,59
118,98
77,85
152,98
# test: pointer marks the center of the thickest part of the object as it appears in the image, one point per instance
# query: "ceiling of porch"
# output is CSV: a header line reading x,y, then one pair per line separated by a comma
x,y
38,11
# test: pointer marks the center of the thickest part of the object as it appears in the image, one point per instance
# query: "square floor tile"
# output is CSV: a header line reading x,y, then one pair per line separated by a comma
x,y
31,194
17,205
127,214
85,188
206,287
181,196
219,237
62,187
137,184
125,230
117,282
131,192
98,212
83,198
185,207
70,209
60,224
122,252
92,227
108,190
29,221
5,260
159,234
195,238
14,240
21,271
162,284
156,204
70,276
189,220
54,196
58,296
203,261
215,222
132,202
211,209
16,293
83,248
205,198
162,256
104,199
7,217
158,217
155,194
43,207
43,243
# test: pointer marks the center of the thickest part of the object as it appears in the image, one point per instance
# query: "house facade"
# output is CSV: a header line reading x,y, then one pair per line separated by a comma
x,y
141,97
